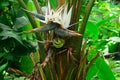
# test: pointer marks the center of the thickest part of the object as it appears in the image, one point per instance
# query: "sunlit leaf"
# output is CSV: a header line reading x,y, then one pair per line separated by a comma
x,y
26,64
92,53
91,72
30,5
101,70
104,72
91,31
104,21
30,36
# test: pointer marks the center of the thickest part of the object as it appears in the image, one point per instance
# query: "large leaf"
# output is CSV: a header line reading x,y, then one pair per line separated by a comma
x,y
91,31
91,72
10,34
20,22
30,36
104,72
26,64
101,69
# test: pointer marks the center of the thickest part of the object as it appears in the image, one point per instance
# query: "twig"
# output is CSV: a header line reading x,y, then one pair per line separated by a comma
x,y
44,63
81,65
33,58
91,62
61,52
18,72
88,66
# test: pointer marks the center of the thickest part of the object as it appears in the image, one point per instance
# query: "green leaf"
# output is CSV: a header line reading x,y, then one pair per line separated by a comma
x,y
104,72
30,5
58,43
91,72
101,44
103,21
3,66
4,27
53,4
10,34
92,53
26,64
91,31
30,36
20,22
4,4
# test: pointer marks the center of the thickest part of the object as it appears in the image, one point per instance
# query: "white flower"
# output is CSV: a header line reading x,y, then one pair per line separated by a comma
x,y
57,20
61,16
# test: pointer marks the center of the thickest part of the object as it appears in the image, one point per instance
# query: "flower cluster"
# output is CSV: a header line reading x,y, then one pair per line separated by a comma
x,y
57,20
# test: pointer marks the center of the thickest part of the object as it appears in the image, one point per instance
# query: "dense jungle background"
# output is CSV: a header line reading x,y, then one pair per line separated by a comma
x,y
29,55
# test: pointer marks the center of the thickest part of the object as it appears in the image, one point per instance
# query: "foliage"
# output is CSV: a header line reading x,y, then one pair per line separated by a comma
x,y
14,46
45,55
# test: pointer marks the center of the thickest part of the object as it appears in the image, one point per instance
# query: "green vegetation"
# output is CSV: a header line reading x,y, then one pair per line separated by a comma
x,y
87,49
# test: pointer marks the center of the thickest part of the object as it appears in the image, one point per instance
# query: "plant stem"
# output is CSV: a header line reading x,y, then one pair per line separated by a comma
x,y
38,7
83,25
